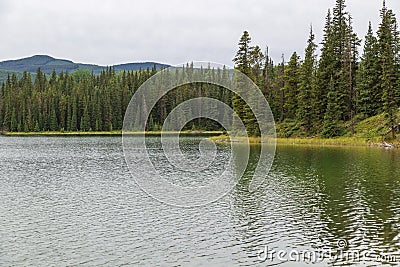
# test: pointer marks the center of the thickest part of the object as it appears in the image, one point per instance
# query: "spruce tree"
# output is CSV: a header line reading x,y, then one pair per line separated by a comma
x,y
349,66
338,60
325,71
388,84
345,44
74,116
332,119
14,123
388,37
85,121
369,84
307,97
242,63
36,129
291,90
53,124
242,58
256,63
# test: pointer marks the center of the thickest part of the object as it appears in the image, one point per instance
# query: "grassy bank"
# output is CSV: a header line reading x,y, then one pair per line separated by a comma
x,y
339,141
317,141
217,136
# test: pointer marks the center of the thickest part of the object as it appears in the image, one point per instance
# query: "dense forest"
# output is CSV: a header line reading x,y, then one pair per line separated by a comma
x,y
83,101
329,94
326,94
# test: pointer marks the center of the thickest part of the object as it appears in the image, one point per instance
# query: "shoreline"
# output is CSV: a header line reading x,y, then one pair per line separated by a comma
x,y
32,134
108,133
321,142
216,136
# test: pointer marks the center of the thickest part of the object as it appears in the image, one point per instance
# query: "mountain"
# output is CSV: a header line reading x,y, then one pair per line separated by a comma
x,y
47,64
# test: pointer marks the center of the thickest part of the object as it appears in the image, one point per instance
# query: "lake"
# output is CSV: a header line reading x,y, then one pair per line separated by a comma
x,y
68,201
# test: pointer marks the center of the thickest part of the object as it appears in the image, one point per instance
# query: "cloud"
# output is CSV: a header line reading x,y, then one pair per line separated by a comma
x,y
175,31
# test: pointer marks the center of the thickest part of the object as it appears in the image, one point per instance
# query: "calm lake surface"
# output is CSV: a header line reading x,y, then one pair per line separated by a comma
x,y
72,201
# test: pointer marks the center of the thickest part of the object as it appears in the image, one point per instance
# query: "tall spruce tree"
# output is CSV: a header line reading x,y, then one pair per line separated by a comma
x,y
279,85
325,71
369,86
291,90
349,73
389,53
338,63
85,121
388,84
74,116
307,96
242,62
53,124
345,43
242,58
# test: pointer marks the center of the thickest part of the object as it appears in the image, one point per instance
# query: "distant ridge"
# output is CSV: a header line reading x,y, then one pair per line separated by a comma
x,y
47,64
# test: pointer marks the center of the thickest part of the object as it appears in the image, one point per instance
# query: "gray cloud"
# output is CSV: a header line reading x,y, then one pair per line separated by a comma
x,y
175,31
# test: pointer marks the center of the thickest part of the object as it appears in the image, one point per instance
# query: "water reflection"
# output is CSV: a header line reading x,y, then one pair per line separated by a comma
x,y
71,201
345,200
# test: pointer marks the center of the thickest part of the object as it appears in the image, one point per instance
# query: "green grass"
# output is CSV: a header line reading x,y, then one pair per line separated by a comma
x,y
317,141
217,137
373,126
227,139
338,141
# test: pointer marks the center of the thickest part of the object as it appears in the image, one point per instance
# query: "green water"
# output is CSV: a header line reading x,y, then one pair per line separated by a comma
x,y
72,201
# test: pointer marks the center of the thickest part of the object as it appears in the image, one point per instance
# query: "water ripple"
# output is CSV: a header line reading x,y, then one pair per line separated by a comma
x,y
71,201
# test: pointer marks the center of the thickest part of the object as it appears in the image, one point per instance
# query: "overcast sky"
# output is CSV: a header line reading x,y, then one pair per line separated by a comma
x,y
174,31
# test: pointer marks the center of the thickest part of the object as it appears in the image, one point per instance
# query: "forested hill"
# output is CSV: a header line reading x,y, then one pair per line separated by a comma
x,y
47,64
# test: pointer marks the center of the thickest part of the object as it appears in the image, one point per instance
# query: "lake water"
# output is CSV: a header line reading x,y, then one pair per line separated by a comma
x,y
72,201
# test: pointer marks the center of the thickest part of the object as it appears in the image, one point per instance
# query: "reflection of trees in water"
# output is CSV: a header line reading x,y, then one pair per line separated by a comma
x,y
247,209
314,197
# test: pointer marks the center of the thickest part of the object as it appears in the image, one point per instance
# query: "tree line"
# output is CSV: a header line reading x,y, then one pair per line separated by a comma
x,y
328,94
324,94
82,101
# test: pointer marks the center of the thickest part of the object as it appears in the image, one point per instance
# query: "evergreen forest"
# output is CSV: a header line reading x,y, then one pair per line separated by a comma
x,y
337,85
